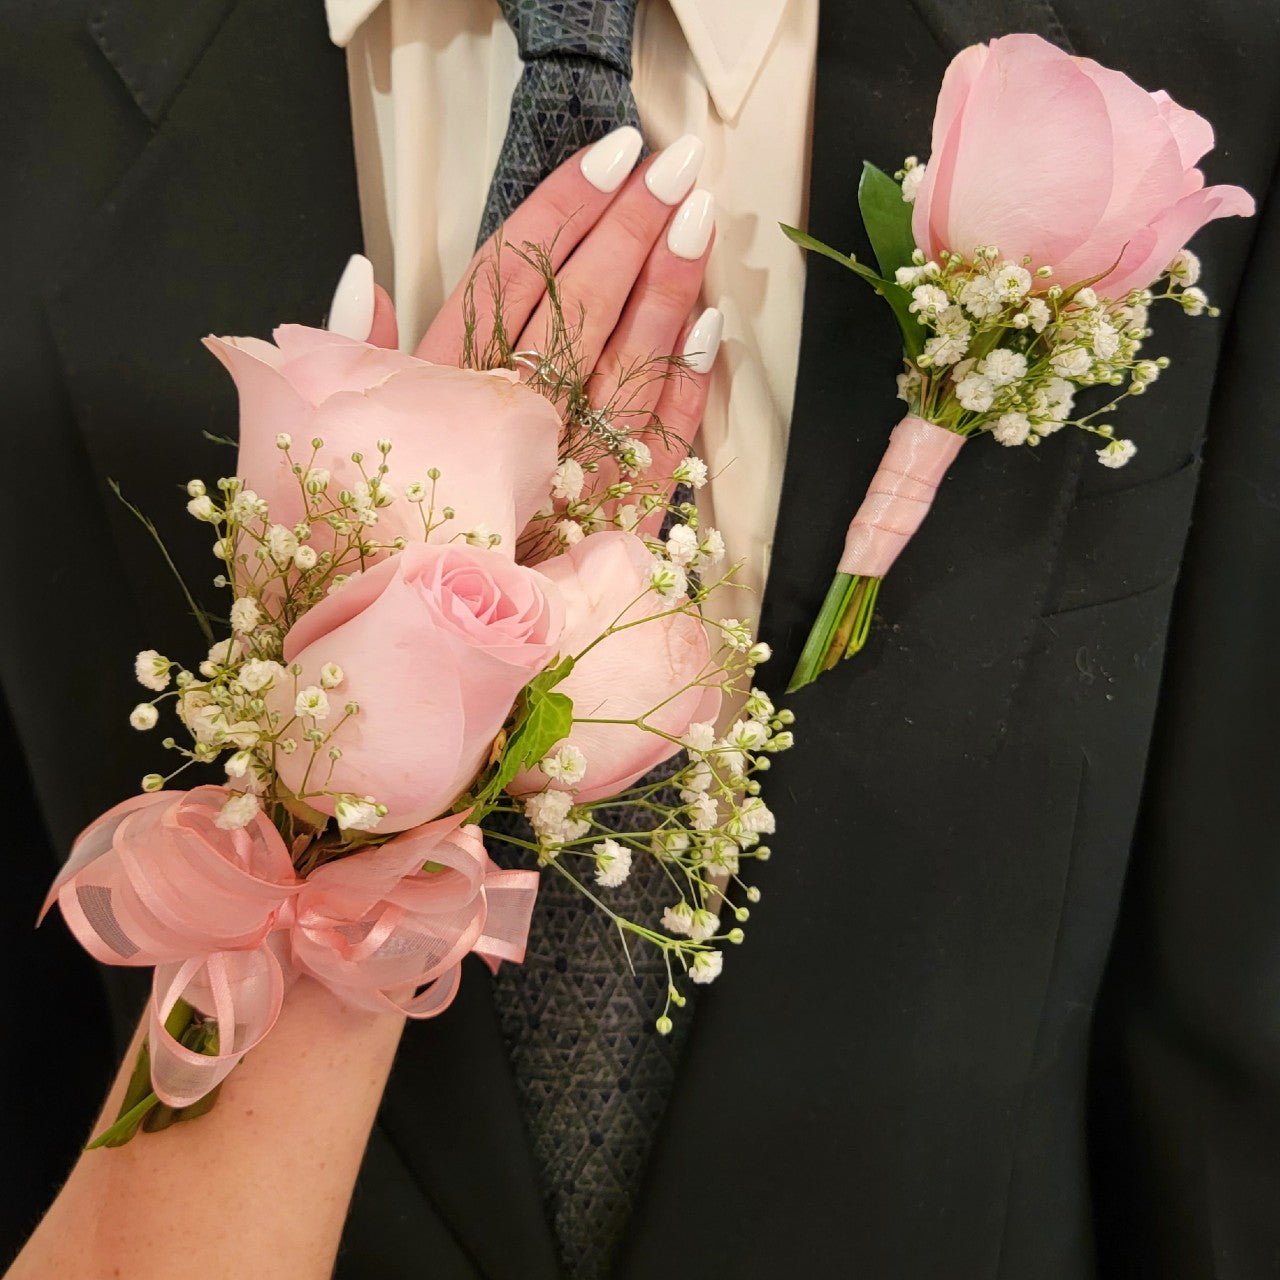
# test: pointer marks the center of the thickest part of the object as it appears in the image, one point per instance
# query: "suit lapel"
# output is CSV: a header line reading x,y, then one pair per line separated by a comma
x,y
237,211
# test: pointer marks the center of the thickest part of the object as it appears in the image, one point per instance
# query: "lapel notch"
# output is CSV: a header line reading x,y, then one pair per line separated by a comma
x,y
154,44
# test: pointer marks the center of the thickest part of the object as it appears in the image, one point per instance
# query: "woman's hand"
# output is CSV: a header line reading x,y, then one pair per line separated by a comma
x,y
629,248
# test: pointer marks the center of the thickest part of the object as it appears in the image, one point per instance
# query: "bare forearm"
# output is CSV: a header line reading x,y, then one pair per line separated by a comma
x,y
258,1186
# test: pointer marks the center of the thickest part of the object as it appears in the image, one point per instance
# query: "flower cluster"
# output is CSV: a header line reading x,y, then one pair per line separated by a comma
x,y
1008,348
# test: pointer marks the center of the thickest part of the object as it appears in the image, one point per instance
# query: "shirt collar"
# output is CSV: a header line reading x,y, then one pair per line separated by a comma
x,y
729,40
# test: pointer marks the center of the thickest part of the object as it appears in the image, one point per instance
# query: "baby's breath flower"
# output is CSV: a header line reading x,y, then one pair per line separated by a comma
x,y
704,812
980,297
1003,367
1071,362
667,579
569,533
613,863
567,765
568,480
1184,270
202,508
144,716
678,920
222,654
256,674
704,925
547,812
1012,281
330,675
282,543
239,810
976,393
152,670
912,177
1038,314
312,701
706,967
682,545
757,817
737,634
711,549
316,481
1117,453
245,615
1194,301
358,813
237,764
305,558
482,536
691,471
927,300
635,458
1012,429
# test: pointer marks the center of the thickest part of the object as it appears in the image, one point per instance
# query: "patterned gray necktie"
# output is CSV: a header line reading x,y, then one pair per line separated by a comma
x,y
593,1075
575,88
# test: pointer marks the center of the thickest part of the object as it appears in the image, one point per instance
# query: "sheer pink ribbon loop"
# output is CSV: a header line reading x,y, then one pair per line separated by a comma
x,y
228,925
390,934
899,496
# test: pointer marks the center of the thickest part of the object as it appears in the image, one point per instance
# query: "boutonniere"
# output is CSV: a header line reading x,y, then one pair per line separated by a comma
x,y
1020,263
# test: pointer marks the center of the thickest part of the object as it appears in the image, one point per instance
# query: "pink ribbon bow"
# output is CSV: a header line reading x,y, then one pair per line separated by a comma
x,y
228,925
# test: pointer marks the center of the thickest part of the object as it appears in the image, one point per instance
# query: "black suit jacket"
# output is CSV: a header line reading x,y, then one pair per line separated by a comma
x,y
919,1064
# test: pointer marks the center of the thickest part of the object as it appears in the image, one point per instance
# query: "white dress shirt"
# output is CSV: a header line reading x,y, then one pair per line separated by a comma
x,y
431,84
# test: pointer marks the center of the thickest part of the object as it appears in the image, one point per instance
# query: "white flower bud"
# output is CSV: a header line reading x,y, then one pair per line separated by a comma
x,y
144,716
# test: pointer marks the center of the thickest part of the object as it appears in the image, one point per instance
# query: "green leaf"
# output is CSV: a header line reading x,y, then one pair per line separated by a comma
x,y
542,718
887,218
894,294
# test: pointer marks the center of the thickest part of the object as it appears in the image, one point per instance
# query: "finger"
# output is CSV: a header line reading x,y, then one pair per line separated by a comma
x,y
595,285
351,311
684,400
632,370
383,332
556,216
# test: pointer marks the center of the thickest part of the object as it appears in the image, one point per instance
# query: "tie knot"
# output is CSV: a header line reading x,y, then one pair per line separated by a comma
x,y
598,29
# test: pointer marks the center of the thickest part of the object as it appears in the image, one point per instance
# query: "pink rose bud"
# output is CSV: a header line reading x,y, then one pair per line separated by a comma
x,y
351,395
434,646
639,671
1060,160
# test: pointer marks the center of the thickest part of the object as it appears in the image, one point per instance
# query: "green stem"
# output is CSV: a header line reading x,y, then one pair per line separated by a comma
x,y
840,629
139,1100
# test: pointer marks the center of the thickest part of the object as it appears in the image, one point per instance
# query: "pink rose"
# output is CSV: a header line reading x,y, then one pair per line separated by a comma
x,y
349,394
639,671
434,644
1039,153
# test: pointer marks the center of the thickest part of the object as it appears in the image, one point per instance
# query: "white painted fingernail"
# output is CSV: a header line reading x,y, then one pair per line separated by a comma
x,y
351,311
703,342
671,175
612,158
691,227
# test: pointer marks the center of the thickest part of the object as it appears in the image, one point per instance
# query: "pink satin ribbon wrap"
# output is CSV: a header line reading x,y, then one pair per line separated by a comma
x,y
228,925
899,496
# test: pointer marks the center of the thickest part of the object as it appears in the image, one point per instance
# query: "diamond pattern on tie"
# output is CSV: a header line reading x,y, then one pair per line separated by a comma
x,y
575,88
592,1073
